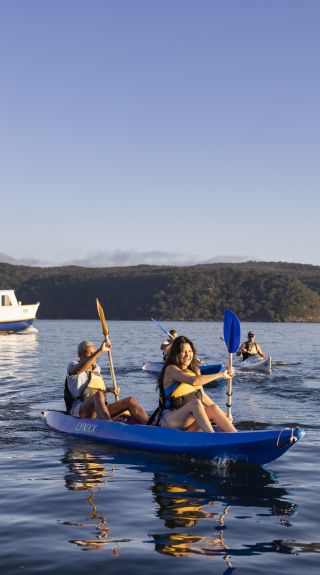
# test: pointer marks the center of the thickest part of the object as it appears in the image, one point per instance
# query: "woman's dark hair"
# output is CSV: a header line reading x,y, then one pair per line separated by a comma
x,y
173,357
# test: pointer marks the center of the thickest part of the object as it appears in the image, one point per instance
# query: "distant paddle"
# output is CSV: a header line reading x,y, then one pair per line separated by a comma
x,y
162,328
172,337
105,331
231,333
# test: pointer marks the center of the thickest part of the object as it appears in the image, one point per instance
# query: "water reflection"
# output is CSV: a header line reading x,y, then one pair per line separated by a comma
x,y
183,505
186,501
18,352
197,506
87,472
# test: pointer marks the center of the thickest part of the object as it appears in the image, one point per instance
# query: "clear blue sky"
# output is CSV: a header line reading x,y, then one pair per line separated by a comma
x,y
165,130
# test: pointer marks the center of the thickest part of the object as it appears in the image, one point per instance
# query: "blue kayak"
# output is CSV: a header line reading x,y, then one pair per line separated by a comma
x,y
257,447
156,367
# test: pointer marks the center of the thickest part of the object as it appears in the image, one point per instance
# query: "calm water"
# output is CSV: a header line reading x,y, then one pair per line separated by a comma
x,y
73,506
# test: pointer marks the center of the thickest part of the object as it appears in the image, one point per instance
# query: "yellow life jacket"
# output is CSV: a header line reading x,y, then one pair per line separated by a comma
x,y
178,393
185,389
181,388
96,383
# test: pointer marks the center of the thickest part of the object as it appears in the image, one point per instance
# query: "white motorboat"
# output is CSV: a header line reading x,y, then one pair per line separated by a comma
x,y
15,316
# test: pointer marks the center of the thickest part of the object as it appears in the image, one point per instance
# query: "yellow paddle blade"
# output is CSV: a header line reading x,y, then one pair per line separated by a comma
x,y
102,319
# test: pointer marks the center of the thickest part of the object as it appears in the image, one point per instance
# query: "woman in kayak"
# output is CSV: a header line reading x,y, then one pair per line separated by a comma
x,y
87,391
183,403
250,348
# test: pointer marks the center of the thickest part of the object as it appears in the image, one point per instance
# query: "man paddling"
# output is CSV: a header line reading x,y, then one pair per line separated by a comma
x,y
250,348
85,385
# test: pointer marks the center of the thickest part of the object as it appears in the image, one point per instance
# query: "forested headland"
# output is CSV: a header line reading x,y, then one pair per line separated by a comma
x,y
255,291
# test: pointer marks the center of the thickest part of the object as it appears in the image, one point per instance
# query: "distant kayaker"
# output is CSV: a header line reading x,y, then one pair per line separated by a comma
x,y
183,403
85,387
166,345
250,348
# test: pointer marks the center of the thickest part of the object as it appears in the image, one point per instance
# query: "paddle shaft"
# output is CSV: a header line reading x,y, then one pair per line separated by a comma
x,y
105,332
167,333
162,328
229,389
113,376
231,335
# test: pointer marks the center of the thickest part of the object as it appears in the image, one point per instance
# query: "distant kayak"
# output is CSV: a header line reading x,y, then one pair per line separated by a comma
x,y
248,446
254,364
156,367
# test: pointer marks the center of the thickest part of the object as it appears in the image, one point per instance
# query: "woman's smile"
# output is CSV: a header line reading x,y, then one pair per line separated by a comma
x,y
186,355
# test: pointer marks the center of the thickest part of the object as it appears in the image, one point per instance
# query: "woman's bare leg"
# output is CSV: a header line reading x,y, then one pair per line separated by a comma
x,y
216,414
185,416
193,427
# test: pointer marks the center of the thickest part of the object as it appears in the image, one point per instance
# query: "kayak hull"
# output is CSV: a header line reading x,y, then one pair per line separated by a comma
x,y
258,447
156,367
263,365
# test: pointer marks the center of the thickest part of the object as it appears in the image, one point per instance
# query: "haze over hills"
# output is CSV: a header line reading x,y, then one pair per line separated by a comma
x,y
123,258
256,291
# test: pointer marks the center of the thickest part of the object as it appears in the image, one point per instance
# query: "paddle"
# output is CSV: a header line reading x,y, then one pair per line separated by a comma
x,y
171,336
231,333
162,328
105,331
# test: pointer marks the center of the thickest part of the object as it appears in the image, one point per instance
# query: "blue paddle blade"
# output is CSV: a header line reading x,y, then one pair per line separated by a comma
x,y
231,330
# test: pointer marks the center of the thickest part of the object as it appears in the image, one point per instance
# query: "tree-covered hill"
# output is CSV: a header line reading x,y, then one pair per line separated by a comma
x,y
256,291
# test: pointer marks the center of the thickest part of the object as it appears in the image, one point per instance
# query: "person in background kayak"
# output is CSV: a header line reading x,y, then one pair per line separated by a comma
x,y
183,403
166,345
250,348
88,390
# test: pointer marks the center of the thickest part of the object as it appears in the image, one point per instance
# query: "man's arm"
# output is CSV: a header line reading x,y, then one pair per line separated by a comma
x,y
164,346
87,362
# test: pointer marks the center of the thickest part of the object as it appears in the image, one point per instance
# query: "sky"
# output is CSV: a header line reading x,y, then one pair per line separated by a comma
x,y
159,131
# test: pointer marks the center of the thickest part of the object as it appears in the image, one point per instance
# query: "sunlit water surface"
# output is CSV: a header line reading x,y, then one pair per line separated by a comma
x,y
73,506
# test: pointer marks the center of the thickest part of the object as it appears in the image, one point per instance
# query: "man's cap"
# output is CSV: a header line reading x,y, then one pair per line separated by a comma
x,y
250,333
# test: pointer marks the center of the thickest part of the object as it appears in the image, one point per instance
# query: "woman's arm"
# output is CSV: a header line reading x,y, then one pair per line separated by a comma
x,y
174,372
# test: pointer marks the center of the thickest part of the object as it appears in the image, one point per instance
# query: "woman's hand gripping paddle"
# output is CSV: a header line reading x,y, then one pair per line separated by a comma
x,y
231,333
105,331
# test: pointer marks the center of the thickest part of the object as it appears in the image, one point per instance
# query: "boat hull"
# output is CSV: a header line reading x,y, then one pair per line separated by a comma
x,y
263,365
258,447
156,367
12,326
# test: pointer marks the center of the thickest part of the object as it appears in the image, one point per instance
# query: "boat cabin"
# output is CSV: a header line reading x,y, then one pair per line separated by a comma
x,y
8,298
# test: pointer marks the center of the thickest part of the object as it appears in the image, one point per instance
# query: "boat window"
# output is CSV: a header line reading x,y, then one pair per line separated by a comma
x,y
5,300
